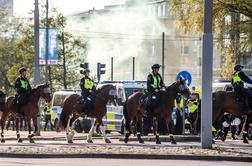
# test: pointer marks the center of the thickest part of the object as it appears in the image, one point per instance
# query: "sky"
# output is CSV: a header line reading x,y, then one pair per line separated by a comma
x,y
22,7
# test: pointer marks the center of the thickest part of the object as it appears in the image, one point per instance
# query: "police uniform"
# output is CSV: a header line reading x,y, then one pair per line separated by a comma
x,y
48,115
238,80
23,88
87,87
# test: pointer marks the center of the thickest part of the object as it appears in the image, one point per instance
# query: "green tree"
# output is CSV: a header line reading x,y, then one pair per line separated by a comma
x,y
232,26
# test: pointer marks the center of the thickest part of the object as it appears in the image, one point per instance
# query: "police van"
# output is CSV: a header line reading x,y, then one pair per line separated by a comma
x,y
113,120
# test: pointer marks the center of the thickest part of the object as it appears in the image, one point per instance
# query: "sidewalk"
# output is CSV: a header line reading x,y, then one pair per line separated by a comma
x,y
53,145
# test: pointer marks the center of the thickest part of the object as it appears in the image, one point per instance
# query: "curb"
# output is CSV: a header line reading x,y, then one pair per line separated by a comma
x,y
129,156
166,138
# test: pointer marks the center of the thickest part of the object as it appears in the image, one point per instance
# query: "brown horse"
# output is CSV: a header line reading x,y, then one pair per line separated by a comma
x,y
228,102
133,110
30,110
71,111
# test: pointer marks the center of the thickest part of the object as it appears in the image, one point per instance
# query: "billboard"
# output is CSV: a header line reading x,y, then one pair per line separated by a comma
x,y
52,46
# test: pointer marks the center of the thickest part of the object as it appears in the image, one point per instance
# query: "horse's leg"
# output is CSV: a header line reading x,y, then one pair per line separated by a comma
x,y
3,120
127,129
139,129
105,138
158,131
17,131
68,130
245,131
71,128
170,129
30,134
91,132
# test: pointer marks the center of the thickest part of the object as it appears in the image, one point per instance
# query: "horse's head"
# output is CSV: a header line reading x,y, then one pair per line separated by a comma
x,y
180,86
183,89
44,91
108,92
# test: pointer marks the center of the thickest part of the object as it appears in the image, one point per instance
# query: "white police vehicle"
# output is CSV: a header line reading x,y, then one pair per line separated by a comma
x,y
113,120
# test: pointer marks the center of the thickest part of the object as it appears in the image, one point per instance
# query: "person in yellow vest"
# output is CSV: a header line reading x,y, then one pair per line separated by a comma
x,y
88,87
48,116
179,105
238,80
23,89
154,84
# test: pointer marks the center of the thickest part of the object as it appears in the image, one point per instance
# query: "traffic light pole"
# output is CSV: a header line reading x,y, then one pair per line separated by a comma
x,y
112,68
133,69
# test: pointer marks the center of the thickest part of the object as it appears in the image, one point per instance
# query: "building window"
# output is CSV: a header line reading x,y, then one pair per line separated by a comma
x,y
164,10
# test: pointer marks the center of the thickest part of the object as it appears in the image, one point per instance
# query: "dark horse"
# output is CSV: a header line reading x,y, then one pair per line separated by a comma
x,y
228,102
71,111
133,109
30,110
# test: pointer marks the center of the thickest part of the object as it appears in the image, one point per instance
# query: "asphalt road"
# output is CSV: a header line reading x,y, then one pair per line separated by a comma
x,y
113,162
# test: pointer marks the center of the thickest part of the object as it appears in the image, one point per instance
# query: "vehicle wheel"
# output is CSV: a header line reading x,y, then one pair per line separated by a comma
x,y
77,126
86,125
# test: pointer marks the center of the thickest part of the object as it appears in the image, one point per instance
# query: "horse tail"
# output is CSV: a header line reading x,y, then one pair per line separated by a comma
x,y
62,124
126,116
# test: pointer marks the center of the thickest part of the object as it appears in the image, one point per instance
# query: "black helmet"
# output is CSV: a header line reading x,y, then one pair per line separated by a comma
x,y
155,66
237,67
86,71
21,70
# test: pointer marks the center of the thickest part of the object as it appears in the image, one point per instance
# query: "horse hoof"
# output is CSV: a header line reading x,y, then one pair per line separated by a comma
x,y
245,141
213,142
70,141
107,141
126,140
90,141
20,140
158,142
141,141
2,141
32,141
173,142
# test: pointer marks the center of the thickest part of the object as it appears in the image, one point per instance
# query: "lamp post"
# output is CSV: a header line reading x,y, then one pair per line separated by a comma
x,y
207,74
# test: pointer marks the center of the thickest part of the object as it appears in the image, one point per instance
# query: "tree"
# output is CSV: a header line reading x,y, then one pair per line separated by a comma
x,y
232,24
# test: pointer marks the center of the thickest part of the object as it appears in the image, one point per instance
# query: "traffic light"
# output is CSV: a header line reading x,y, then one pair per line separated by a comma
x,y
84,66
100,70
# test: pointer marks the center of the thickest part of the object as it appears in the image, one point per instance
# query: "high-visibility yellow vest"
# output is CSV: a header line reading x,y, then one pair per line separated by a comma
x,y
156,81
236,77
24,84
181,103
88,83
192,107
48,111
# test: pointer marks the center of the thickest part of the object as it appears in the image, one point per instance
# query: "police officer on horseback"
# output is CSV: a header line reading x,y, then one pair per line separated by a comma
x,y
154,85
238,80
87,86
23,88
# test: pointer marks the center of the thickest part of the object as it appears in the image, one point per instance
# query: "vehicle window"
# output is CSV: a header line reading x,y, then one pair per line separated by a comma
x,y
59,99
130,91
120,93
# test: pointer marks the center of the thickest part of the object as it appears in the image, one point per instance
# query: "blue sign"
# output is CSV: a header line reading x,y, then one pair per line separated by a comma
x,y
52,46
186,75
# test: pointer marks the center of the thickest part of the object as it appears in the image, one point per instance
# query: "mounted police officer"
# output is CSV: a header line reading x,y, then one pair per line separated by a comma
x,y
87,86
238,80
154,85
23,88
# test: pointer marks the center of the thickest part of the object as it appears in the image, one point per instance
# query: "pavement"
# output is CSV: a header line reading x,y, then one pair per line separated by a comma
x,y
53,145
113,162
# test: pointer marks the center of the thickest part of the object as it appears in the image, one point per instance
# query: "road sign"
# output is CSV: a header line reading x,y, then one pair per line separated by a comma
x,y
185,74
53,46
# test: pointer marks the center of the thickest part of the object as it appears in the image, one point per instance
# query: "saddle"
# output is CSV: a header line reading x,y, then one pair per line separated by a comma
x,y
85,104
143,99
